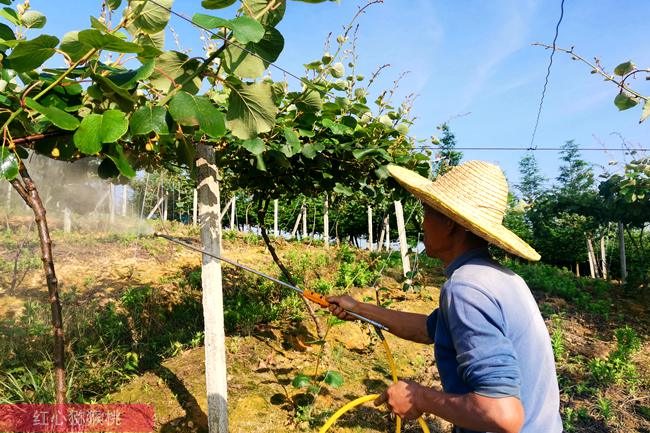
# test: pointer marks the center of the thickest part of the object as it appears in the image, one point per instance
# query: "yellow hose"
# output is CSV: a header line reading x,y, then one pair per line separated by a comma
x,y
361,400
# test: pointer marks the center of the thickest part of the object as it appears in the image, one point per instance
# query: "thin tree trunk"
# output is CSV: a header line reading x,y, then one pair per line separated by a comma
x,y
8,202
165,205
603,258
387,225
326,221
403,246
621,247
144,194
275,218
125,198
592,258
296,225
224,210
28,192
262,207
67,220
155,208
304,220
195,208
577,269
211,280
233,212
370,238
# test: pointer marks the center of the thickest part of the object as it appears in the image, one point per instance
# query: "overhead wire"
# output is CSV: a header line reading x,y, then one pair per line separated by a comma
x,y
548,74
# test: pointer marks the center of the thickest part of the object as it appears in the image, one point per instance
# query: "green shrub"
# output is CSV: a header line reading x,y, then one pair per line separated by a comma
x,y
617,367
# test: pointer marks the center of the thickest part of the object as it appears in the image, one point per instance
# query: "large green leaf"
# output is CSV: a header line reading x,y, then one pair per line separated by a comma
x,y
105,41
11,15
120,161
172,65
333,378
198,111
152,45
300,381
129,79
265,52
6,34
149,119
74,48
624,101
8,164
33,19
245,29
151,17
217,4
96,129
55,115
270,17
310,100
250,109
255,146
32,54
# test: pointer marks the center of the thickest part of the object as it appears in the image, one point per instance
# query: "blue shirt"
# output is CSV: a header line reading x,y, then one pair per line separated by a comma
x,y
490,339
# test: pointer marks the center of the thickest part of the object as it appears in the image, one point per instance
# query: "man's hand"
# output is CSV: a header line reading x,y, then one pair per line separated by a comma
x,y
402,398
338,305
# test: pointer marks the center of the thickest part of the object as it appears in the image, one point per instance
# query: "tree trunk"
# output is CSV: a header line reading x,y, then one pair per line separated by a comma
x,y
233,212
67,220
370,238
577,269
403,247
592,258
296,225
275,218
155,208
603,258
125,198
621,247
28,192
144,194
211,281
111,203
387,224
165,205
195,208
8,202
304,220
326,221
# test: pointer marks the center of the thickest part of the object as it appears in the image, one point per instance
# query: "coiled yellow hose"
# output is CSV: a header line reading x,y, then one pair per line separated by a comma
x,y
367,398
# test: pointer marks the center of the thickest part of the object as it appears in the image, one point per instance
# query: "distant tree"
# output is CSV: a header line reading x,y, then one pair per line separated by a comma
x,y
531,185
576,175
447,157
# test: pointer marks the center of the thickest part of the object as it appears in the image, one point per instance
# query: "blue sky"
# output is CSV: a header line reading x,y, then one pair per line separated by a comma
x,y
468,57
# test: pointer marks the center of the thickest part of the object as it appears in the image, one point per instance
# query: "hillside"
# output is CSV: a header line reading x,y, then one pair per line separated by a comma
x,y
133,322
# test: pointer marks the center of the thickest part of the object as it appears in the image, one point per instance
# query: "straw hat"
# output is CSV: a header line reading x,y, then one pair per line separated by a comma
x,y
475,195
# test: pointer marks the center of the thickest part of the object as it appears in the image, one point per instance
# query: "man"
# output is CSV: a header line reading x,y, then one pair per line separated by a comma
x,y
492,348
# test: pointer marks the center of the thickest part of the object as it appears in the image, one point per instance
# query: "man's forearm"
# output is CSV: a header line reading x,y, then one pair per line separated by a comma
x,y
410,326
473,411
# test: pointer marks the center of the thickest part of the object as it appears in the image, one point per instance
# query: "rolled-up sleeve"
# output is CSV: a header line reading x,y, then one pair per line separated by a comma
x,y
432,322
486,358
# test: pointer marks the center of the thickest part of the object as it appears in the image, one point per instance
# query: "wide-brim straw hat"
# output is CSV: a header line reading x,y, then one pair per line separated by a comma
x,y
473,194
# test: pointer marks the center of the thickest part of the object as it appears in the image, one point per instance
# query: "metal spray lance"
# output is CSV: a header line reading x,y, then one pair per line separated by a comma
x,y
308,294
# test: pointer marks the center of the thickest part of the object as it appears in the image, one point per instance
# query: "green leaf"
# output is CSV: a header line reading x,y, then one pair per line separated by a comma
x,y
624,68
8,164
336,128
333,378
73,47
96,24
32,54
217,4
6,34
150,17
11,15
364,153
96,129
246,29
646,111
250,109
114,4
33,19
245,65
271,17
121,162
129,79
55,115
210,22
172,65
310,150
301,381
193,110
342,189
149,119
311,100
107,169
255,146
104,41
624,101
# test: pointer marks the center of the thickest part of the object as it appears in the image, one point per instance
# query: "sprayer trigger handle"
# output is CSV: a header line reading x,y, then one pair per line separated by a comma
x,y
316,297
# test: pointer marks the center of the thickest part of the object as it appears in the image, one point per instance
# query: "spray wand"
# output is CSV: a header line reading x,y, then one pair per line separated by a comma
x,y
308,294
